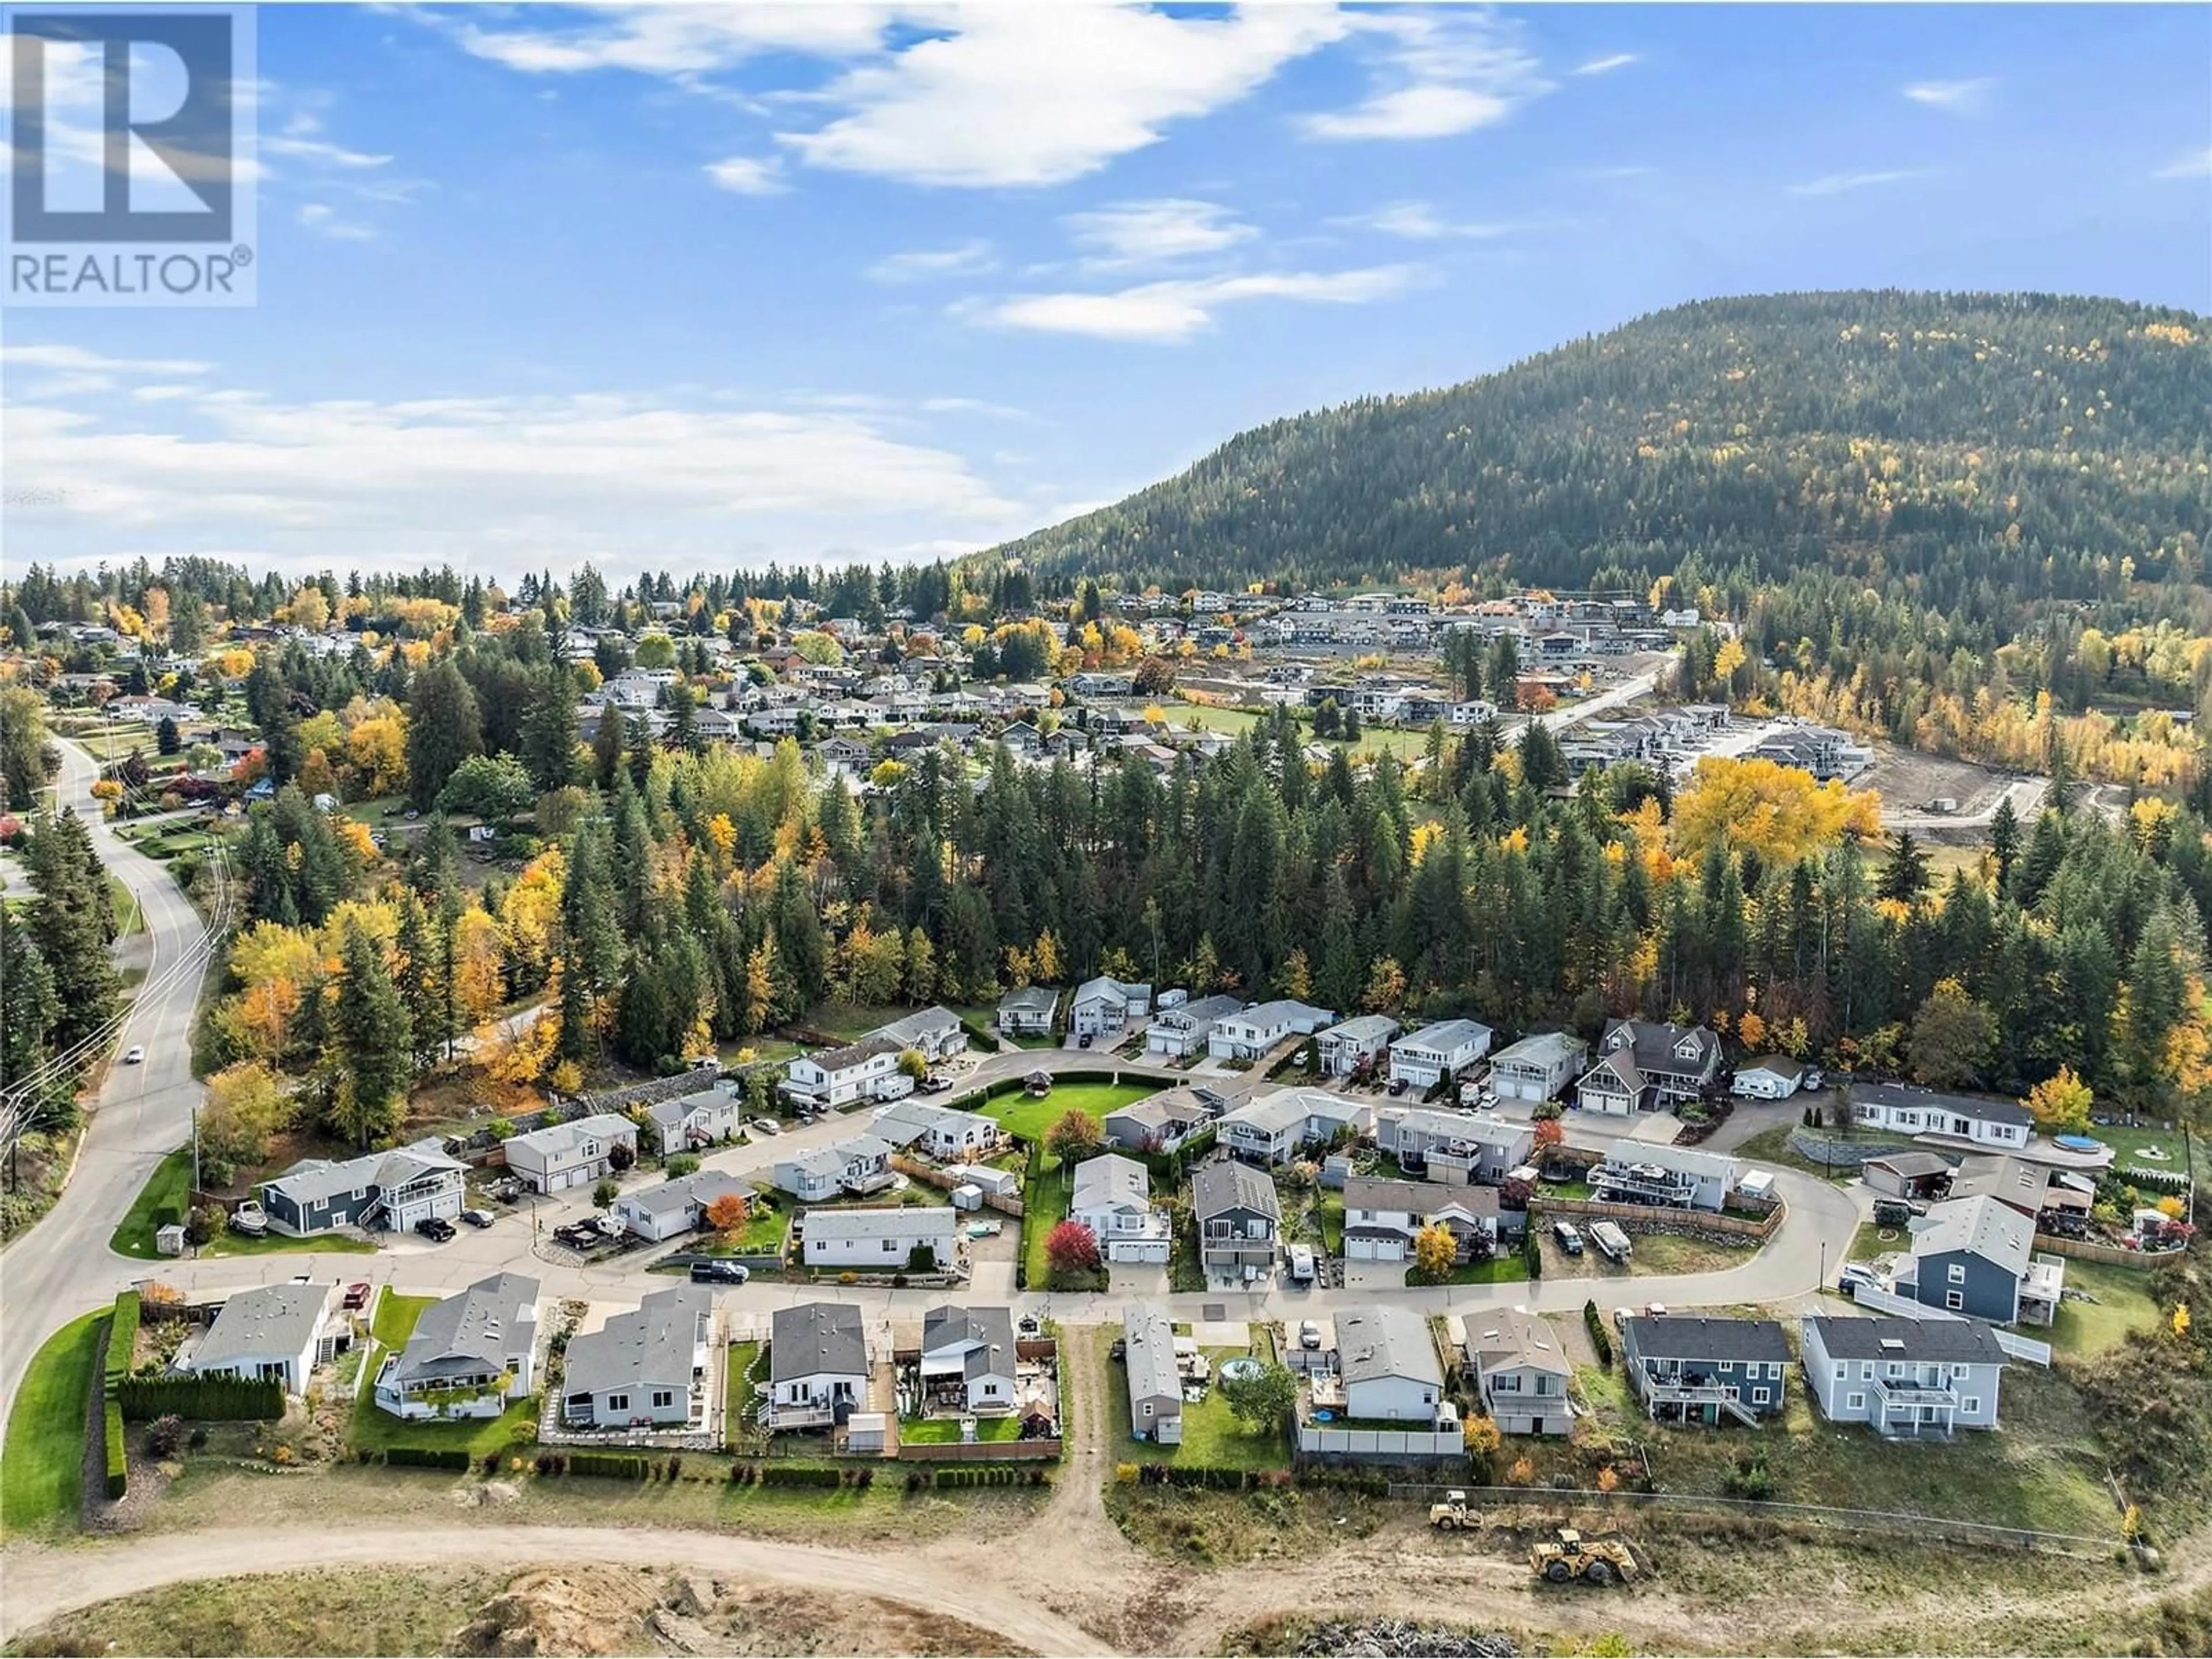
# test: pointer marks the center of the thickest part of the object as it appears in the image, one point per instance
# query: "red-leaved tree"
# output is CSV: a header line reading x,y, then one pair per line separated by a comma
x,y
1070,1250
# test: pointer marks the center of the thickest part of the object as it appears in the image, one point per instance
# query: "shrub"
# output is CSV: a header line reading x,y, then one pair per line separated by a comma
x,y
1599,1340
119,1461
166,1437
122,1341
214,1399
682,1164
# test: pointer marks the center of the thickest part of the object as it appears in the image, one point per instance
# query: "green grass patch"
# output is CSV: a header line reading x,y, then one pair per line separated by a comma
x,y
1213,1436
739,1391
1771,1145
396,1317
1027,1118
42,1483
2122,1306
1508,1267
376,1430
128,917
274,1243
945,1430
169,1187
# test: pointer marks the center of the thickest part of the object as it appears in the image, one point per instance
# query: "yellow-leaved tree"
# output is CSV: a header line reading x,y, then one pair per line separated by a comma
x,y
1779,812
2060,1102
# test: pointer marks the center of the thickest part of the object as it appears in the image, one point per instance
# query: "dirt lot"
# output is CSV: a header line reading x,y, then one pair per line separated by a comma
x,y
1908,781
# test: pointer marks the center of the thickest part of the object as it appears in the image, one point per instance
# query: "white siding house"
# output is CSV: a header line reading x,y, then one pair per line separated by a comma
x,y
835,1078
1922,1377
1428,1056
1113,1198
880,1240
1250,1034
1538,1067
565,1155
1345,1046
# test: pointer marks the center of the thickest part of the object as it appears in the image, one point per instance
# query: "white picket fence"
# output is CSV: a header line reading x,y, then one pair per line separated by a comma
x,y
2020,1347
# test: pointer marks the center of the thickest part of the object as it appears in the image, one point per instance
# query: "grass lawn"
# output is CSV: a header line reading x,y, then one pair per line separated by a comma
x,y
1771,1145
129,918
396,1315
945,1430
170,1185
2123,1304
739,1391
1212,1436
230,1243
1508,1269
41,1484
851,1023
2134,1146
378,1430
1874,1240
1027,1118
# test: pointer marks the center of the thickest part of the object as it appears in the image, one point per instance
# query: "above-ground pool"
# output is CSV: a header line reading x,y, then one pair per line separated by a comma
x,y
1243,1365
2078,1143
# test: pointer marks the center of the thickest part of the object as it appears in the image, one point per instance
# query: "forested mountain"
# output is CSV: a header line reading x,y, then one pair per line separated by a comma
x,y
1979,449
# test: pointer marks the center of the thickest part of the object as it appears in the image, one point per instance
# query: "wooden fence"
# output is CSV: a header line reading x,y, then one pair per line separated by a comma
x,y
943,1181
2083,1249
980,1451
1655,1218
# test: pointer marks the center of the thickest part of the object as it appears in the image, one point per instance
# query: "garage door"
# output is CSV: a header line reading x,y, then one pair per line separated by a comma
x,y
1153,1252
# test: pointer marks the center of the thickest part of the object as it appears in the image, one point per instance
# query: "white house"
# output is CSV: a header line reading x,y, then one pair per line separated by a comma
x,y
1769,1076
1382,1217
1390,1365
888,1239
860,1165
1678,1177
1179,1032
1434,1053
967,1357
830,1079
817,1365
1272,1127
1538,1067
565,1155
933,1032
1344,1046
691,1121
2001,1125
1905,1376
1157,1123
1520,1370
279,1331
1248,1035
1104,1005
470,1354
675,1207
1028,1012
1454,1146
1113,1198
1150,1370
643,1369
945,1133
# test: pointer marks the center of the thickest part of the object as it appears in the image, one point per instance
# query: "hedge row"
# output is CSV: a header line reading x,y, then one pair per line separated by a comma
x,y
1599,1340
428,1457
122,1341
610,1466
118,1464
1199,1475
205,1398
942,1475
980,1037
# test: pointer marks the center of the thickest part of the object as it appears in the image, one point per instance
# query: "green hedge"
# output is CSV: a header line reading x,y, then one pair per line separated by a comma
x,y
612,1466
1595,1323
118,1463
122,1341
206,1399
1198,1475
979,1038
428,1457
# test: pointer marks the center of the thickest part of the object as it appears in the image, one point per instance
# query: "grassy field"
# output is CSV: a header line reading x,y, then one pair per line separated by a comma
x,y
374,1429
2123,1305
2134,1146
1213,1435
1027,1118
41,1484
1196,717
128,917
943,1431
170,1185
739,1391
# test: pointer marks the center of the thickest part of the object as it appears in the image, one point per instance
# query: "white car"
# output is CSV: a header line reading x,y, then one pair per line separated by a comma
x,y
764,1126
134,1055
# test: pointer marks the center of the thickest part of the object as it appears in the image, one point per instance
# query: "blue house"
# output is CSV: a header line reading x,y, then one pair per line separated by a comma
x,y
1976,1256
1696,1371
391,1190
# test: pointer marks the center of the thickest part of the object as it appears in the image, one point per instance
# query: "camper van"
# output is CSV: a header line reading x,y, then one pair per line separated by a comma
x,y
1302,1264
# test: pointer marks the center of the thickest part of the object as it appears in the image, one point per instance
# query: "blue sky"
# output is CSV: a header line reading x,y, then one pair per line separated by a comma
x,y
674,288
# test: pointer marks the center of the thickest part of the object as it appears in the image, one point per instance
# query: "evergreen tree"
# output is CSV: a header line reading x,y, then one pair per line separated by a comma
x,y
372,1042
71,927
1904,879
607,747
2004,838
444,728
550,736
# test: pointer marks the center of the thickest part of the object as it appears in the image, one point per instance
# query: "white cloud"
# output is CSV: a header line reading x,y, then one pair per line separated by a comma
x,y
1172,312
77,360
2191,164
1155,231
1836,184
1953,97
1606,65
476,480
679,41
302,138
920,264
1418,221
1024,96
324,220
1437,75
749,175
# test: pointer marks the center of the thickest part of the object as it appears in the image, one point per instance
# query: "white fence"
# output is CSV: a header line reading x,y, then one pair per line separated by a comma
x,y
1881,1301
1317,1441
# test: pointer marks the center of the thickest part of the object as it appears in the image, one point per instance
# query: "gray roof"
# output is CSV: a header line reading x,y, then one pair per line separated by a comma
x,y
910,1120
1957,1341
266,1323
651,1344
823,1161
673,1112
313,1180
1419,1198
1226,1184
1121,990
1653,1045
856,1054
1979,1226
886,1221
908,1032
2011,1180
988,1331
1681,1336
1284,1010
1513,1337
1149,1334
1110,1179
1203,1012
1364,1029
557,1138
1989,1108
473,1330
1374,1343
1912,1165
1035,999
1444,1036
702,1188
815,1338
1545,1048
1780,1065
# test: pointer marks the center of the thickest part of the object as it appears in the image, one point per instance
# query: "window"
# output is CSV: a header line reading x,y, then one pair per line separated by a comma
x,y
663,1398
1972,1402
889,1245
617,1402
1855,1402
1760,1397
1842,1371
1959,1373
1148,1408
1958,1273
1955,1301
990,1388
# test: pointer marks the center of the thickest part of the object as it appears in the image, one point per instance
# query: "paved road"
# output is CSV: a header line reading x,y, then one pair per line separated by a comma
x,y
63,1266
1605,702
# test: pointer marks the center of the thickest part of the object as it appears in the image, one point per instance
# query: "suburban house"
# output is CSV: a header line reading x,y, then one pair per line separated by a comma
x,y
888,1239
1694,1369
1538,1067
1908,1176
279,1331
1462,1147
643,1369
1159,1123
1520,1369
818,1365
2031,1188
1976,1256
1238,1217
565,1155
1382,1217
691,1121
470,1354
1344,1047
1674,1177
1769,1076
1181,1031
968,1358
831,1079
935,1033
1388,1365
1155,1381
1983,1121
1028,1012
1103,1004
1252,1032
1437,1053
675,1207
393,1189
1113,1198
945,1134
1905,1376
860,1165
1645,1066
1273,1127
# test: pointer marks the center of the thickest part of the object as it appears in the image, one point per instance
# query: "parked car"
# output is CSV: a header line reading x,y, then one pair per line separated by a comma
x,y
507,1189
356,1295
1308,1334
1118,1349
1397,1087
437,1228
1083,1041
934,1084
1568,1237
764,1126
719,1272
1854,1275
477,1217
135,1054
